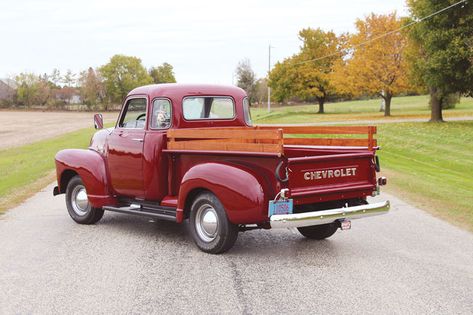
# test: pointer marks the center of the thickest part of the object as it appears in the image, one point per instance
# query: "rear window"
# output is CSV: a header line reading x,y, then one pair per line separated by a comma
x,y
208,107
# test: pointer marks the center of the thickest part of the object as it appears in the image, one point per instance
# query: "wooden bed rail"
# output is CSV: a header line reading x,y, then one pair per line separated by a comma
x,y
269,139
368,141
227,139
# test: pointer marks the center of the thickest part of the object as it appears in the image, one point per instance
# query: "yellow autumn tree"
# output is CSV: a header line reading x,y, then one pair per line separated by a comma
x,y
376,65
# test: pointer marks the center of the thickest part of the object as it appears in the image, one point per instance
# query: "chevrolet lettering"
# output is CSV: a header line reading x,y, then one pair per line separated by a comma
x,y
330,173
183,152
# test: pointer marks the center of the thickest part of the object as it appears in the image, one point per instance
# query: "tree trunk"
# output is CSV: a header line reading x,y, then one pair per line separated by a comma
x,y
383,102
321,105
387,104
436,104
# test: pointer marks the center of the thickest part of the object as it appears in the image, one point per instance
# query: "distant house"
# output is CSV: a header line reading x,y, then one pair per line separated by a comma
x,y
7,89
69,95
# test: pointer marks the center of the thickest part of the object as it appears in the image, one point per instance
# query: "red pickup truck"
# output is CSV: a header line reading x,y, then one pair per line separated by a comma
x,y
182,152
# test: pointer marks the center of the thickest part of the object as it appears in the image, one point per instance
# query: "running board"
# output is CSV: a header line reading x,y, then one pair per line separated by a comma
x,y
163,213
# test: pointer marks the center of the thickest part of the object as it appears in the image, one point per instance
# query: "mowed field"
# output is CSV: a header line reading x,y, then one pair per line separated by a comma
x,y
18,128
404,107
431,165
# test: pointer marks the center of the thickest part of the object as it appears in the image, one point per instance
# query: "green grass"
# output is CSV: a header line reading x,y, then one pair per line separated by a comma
x,y
432,163
22,167
401,107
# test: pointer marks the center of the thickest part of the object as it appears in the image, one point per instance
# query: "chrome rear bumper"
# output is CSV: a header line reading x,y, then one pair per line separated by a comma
x,y
328,216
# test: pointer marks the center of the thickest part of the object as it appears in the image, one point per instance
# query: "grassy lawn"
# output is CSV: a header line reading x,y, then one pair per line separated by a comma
x,y
25,169
401,107
431,164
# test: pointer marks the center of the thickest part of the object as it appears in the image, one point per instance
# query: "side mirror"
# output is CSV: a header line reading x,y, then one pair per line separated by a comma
x,y
98,121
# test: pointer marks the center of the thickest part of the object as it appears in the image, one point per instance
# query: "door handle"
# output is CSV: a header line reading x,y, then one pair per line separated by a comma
x,y
137,139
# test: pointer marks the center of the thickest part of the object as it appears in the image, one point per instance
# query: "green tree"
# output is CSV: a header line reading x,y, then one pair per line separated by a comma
x,y
281,80
163,74
444,43
122,74
246,78
308,75
314,78
28,86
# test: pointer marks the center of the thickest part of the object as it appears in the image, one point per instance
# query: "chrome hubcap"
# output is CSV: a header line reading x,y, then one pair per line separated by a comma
x,y
79,201
206,223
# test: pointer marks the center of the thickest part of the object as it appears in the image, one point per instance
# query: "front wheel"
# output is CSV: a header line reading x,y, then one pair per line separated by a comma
x,y
319,232
78,204
209,225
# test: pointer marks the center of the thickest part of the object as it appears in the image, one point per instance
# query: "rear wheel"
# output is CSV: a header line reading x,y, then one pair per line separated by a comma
x,y
78,204
209,225
319,232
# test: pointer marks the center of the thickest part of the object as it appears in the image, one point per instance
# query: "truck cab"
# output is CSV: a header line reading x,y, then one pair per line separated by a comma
x,y
182,152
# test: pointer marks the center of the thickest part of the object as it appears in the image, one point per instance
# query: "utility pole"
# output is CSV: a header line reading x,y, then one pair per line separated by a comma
x,y
269,70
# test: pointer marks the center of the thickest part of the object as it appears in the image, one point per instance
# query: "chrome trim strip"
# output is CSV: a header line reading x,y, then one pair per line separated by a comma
x,y
328,216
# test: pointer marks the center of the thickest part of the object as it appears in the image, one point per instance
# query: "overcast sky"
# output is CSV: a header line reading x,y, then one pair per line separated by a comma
x,y
202,39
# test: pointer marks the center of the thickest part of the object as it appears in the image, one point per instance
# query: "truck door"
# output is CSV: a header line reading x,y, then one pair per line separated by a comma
x,y
155,164
125,149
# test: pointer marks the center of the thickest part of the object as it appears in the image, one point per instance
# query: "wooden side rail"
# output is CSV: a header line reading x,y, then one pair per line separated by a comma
x,y
227,139
270,139
368,141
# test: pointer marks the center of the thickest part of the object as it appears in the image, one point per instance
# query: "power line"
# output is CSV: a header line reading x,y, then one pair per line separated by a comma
x,y
385,34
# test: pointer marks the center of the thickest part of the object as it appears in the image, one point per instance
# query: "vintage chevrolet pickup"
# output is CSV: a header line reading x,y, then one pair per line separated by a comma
x,y
182,152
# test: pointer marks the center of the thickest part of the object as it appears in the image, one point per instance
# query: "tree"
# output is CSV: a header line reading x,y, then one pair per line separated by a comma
x,y
281,80
445,43
308,74
315,65
27,90
377,65
69,78
261,90
122,74
162,74
55,77
91,88
246,78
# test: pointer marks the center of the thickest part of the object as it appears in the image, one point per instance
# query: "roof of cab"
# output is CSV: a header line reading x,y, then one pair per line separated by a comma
x,y
179,89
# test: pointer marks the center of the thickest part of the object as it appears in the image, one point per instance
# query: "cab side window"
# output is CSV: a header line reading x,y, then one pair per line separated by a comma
x,y
161,114
134,115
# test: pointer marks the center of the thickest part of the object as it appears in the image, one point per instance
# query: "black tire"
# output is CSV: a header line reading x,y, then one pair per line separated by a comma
x,y
211,237
79,208
319,232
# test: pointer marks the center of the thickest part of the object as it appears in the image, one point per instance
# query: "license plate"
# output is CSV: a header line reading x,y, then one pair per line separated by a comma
x,y
280,207
345,225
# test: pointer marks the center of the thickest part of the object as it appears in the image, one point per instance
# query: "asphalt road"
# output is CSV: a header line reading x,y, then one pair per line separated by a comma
x,y
403,262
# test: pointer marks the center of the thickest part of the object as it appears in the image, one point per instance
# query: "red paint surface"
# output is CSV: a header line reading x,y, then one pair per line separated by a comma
x,y
116,165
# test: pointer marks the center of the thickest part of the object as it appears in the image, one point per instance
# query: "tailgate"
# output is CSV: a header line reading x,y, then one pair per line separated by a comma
x,y
314,177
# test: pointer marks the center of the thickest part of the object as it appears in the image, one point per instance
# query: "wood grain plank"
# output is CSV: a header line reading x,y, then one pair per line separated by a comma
x,y
209,133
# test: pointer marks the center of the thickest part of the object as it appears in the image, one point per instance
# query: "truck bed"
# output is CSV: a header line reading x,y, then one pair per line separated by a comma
x,y
317,164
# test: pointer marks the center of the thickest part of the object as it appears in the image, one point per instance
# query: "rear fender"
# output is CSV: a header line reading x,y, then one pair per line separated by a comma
x,y
237,187
90,166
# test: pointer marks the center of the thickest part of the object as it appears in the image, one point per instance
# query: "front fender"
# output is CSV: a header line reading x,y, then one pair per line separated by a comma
x,y
90,166
237,187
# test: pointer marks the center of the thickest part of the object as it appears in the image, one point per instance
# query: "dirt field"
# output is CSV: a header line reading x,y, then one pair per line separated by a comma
x,y
20,127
